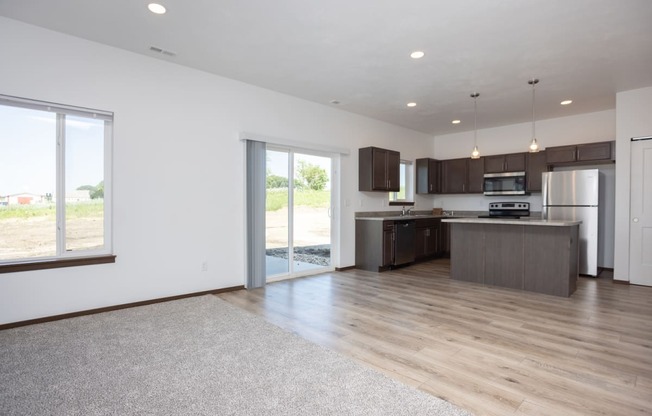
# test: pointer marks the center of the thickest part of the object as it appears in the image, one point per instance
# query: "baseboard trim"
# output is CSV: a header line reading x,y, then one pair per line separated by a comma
x,y
343,269
116,307
620,282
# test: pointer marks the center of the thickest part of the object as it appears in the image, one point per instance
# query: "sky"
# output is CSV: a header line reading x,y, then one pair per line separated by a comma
x,y
28,151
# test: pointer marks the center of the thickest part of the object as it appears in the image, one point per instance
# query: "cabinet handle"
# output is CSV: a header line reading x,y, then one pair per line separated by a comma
x,y
430,187
463,187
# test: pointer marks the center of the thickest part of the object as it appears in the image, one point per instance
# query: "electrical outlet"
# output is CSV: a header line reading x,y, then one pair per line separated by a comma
x,y
204,266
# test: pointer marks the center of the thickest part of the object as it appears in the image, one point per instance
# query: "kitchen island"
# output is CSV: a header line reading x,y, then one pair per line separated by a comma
x,y
527,254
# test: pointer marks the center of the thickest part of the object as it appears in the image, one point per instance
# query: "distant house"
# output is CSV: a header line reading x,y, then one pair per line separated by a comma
x,y
78,196
24,198
4,200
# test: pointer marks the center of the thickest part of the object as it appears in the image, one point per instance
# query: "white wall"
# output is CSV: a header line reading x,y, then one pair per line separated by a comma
x,y
176,131
633,109
584,128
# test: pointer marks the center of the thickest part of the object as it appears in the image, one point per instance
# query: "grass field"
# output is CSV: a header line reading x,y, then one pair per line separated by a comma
x,y
73,210
278,198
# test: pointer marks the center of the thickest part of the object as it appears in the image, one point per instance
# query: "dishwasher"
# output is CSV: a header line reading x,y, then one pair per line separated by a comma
x,y
405,237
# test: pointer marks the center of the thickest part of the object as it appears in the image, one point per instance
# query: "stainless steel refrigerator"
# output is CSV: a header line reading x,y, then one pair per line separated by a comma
x,y
573,195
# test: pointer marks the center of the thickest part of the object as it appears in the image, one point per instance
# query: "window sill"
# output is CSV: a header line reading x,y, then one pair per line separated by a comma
x,y
55,264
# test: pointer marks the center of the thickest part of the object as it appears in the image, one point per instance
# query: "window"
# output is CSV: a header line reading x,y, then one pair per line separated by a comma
x,y
406,193
55,190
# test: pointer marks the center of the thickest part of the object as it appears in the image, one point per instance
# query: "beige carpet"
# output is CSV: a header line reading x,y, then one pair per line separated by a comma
x,y
198,356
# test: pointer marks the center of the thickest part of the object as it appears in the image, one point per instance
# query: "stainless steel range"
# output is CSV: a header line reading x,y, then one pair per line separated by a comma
x,y
507,210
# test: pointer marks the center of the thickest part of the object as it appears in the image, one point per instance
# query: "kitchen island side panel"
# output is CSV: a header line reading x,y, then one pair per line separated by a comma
x,y
552,260
536,256
504,260
467,252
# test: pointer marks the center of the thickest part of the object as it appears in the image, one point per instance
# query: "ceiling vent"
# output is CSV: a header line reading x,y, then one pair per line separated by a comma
x,y
162,51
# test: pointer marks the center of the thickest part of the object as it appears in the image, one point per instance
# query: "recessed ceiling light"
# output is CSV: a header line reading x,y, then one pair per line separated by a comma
x,y
417,55
156,8
566,102
456,121
411,104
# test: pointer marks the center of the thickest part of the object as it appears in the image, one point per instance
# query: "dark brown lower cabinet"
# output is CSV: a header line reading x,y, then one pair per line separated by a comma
x,y
445,239
375,242
389,239
427,239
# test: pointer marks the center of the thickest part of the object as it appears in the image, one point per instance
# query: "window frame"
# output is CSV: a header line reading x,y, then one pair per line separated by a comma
x,y
63,258
409,186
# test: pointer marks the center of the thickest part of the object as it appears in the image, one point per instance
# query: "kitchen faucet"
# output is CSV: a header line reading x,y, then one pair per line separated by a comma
x,y
405,212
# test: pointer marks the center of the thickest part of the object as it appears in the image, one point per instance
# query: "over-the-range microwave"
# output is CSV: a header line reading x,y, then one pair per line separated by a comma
x,y
505,183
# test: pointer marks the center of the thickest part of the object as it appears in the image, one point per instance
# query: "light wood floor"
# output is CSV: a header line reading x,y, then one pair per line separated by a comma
x,y
491,351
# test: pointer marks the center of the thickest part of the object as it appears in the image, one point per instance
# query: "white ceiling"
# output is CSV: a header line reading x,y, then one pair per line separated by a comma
x,y
357,51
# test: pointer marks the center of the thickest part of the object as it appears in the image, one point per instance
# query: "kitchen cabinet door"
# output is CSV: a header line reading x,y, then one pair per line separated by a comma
x,y
560,154
393,171
594,151
515,162
420,243
444,239
454,176
388,246
378,169
494,164
475,176
428,174
432,241
536,165
427,238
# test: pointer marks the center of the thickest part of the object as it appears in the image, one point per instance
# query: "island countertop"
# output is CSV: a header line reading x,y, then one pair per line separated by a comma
x,y
512,221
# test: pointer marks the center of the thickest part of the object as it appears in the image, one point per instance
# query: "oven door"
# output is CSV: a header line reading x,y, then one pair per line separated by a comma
x,y
508,183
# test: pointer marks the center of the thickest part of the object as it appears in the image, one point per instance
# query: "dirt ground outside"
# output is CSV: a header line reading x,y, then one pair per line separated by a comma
x,y
312,226
36,237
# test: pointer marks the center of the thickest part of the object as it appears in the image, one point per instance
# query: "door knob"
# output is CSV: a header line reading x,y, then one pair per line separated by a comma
x,y
635,220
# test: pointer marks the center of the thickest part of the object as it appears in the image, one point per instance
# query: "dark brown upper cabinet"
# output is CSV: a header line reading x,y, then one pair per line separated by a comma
x,y
601,152
462,176
475,177
513,162
378,170
536,165
454,174
428,176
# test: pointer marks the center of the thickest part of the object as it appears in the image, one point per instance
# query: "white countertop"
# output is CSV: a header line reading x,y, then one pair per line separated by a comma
x,y
522,221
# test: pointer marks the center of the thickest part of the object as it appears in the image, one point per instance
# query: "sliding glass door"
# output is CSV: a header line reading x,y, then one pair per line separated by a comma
x,y
298,213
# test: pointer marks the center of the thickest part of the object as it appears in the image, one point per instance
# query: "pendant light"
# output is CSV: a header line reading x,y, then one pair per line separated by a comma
x,y
534,146
476,153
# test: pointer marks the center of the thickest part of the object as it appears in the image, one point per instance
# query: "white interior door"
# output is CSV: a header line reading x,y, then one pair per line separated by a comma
x,y
640,231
